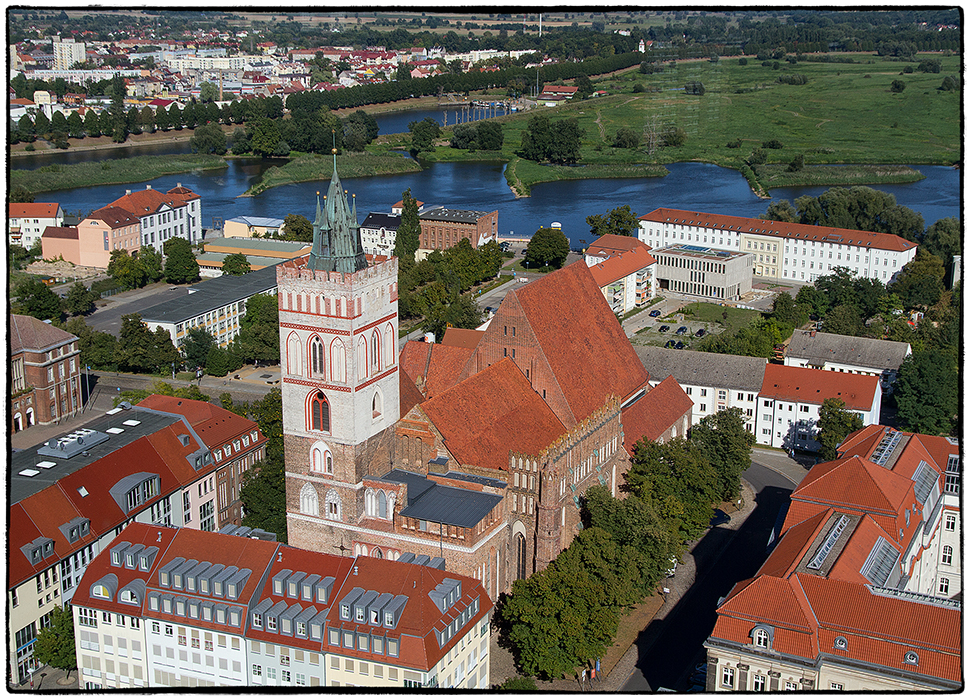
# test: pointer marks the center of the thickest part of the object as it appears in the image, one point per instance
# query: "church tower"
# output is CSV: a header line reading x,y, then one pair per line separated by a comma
x,y
340,384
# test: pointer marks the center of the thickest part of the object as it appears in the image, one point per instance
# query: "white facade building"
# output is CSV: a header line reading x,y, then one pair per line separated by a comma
x,y
796,252
27,222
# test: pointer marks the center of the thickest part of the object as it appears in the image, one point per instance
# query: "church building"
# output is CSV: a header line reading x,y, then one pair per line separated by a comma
x,y
476,450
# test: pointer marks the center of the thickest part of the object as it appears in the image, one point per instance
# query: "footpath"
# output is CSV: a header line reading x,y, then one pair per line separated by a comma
x,y
620,660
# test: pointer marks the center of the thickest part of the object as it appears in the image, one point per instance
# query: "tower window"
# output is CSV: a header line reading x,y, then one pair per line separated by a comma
x,y
316,356
319,413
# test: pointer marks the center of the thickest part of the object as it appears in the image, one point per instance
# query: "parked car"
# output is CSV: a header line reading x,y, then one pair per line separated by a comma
x,y
681,330
669,344
664,329
719,518
680,345
700,332
655,313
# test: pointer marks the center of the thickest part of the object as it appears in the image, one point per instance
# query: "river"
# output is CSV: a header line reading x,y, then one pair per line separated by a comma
x,y
481,186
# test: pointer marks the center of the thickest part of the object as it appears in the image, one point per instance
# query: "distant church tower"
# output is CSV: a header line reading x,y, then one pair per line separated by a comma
x,y
340,384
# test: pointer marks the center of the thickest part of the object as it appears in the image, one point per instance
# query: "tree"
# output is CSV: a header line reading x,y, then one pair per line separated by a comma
x,y
136,345
548,247
34,298
626,138
80,300
21,195
694,87
584,85
949,84
781,210
235,264
265,137
927,392
55,643
209,138
797,163
180,263
518,683
75,126
674,136
195,348
208,92
92,125
259,332
151,262
408,236
897,86
490,136
423,134
557,142
843,320
943,239
723,438
264,488
621,221
297,228
127,269
920,283
834,424
787,312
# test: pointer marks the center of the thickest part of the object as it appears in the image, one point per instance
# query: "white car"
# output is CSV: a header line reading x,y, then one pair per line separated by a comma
x,y
523,279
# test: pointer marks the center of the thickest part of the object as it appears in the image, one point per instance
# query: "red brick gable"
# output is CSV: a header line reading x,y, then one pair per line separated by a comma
x,y
409,396
568,339
653,415
490,414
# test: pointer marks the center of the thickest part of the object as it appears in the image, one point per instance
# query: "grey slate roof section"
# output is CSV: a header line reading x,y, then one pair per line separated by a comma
x,y
703,368
475,479
428,500
212,294
21,487
465,216
846,349
377,220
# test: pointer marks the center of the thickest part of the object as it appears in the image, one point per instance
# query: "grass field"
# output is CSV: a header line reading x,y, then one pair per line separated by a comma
x,y
318,167
727,316
845,114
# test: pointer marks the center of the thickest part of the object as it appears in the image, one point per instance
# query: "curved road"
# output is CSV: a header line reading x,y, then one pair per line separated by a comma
x,y
722,558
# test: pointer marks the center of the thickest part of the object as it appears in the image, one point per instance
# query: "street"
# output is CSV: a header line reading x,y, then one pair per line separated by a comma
x,y
722,558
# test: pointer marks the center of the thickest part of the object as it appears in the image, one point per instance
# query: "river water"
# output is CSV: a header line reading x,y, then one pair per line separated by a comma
x,y
481,186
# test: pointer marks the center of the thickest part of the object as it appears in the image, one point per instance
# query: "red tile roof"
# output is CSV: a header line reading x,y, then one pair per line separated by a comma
x,y
114,217
445,367
29,333
620,265
65,232
806,385
33,210
214,424
491,413
144,202
611,244
409,396
856,484
462,338
882,241
587,350
415,358
652,415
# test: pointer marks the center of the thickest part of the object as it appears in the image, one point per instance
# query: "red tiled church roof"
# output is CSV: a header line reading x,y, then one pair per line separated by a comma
x,y
653,414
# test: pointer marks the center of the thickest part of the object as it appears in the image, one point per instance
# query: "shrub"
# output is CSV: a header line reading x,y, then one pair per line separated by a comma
x,y
736,143
772,143
742,61
758,157
638,87
897,86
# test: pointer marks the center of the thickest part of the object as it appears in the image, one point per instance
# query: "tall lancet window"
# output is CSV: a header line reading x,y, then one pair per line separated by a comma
x,y
319,413
316,356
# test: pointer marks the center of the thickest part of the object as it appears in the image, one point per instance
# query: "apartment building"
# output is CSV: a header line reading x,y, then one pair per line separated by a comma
x,y
161,216
45,373
378,233
104,230
844,353
70,497
712,381
791,399
841,602
67,52
27,222
781,250
168,607
624,270
216,304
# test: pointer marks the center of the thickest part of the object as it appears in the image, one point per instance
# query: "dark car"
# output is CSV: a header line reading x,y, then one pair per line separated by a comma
x,y
680,345
681,330
664,329
720,517
655,313
669,344
700,332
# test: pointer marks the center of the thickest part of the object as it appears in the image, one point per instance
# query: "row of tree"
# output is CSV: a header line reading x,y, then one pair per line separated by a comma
x,y
560,618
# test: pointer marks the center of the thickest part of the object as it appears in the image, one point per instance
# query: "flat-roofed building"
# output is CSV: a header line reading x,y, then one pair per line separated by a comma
x,y
442,228
703,272
252,227
216,304
259,252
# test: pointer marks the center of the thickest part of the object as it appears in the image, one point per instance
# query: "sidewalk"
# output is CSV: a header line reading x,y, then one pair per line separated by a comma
x,y
620,660
49,679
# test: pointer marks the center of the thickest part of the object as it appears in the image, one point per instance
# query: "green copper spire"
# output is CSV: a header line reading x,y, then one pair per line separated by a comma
x,y
336,233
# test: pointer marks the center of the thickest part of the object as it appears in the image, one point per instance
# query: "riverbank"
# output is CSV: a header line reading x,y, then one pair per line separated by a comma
x,y
51,178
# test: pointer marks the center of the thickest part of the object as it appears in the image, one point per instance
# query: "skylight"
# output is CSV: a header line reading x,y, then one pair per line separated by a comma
x,y
115,431
29,472
879,565
830,541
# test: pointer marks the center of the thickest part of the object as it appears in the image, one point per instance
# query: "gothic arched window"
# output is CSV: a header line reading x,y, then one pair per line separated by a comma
x,y
316,356
309,505
333,505
375,351
319,413
381,504
377,405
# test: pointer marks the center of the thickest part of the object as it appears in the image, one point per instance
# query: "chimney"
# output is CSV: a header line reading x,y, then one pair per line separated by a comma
x,y
148,187
127,192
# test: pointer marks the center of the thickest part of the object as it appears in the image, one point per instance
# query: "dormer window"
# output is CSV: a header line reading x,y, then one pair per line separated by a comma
x,y
116,560
841,643
344,611
130,561
911,658
231,590
358,613
101,591
388,619
163,578
271,624
761,638
257,620
204,585
375,617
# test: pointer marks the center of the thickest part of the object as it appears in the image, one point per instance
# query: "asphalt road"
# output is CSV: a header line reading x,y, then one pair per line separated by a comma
x,y
722,558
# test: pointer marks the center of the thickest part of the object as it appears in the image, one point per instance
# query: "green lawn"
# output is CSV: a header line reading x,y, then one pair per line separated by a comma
x,y
729,317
